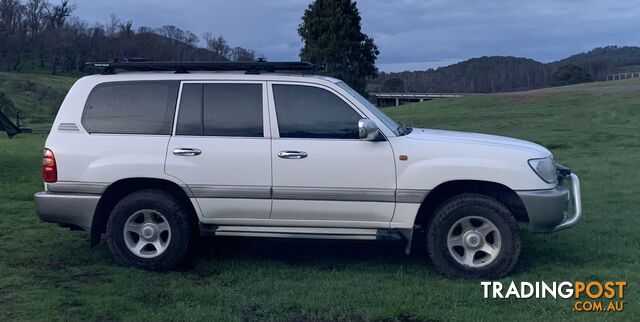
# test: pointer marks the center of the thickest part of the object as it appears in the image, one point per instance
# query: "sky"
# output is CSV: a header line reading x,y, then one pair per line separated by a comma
x,y
411,34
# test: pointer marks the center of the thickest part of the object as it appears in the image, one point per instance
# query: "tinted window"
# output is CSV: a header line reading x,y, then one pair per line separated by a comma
x,y
221,110
190,113
390,123
131,107
311,112
233,110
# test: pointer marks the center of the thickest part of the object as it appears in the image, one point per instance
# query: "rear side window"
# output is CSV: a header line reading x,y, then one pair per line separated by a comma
x,y
312,112
221,110
144,107
190,112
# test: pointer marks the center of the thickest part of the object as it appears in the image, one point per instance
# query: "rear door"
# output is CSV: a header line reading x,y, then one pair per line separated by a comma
x,y
221,148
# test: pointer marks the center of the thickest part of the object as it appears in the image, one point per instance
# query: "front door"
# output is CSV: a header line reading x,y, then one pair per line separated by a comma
x,y
323,174
221,148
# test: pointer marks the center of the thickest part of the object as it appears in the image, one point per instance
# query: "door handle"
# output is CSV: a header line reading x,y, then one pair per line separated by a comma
x,y
187,152
292,154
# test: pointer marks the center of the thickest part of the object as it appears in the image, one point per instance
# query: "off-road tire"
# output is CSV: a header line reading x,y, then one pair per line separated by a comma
x,y
470,204
181,222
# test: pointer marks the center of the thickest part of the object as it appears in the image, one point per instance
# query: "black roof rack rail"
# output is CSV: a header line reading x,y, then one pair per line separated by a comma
x,y
185,67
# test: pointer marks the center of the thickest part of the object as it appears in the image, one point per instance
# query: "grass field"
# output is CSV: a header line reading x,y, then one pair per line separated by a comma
x,y
48,273
36,96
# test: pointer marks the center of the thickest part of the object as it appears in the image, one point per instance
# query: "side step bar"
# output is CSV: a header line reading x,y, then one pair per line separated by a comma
x,y
303,232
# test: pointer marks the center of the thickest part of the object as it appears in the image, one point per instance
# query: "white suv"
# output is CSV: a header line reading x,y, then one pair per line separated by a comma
x,y
153,159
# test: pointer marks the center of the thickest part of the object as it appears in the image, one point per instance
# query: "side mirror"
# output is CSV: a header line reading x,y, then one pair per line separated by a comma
x,y
368,130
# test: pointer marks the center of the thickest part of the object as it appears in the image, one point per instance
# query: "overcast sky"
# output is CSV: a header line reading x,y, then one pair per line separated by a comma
x,y
411,34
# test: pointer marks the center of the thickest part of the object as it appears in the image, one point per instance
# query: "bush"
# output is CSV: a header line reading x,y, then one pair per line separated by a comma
x,y
570,74
393,85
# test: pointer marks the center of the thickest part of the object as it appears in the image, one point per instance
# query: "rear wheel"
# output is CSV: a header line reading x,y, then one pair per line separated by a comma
x,y
472,235
150,229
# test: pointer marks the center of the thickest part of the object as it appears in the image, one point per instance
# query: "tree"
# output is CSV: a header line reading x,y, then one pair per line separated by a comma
x,y
218,45
112,26
45,34
34,16
58,14
11,12
332,37
570,74
242,54
393,85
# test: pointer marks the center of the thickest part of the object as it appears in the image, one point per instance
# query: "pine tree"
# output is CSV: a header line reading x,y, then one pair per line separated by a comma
x,y
332,36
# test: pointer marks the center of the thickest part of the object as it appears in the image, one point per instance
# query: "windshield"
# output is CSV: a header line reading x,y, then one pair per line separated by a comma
x,y
391,124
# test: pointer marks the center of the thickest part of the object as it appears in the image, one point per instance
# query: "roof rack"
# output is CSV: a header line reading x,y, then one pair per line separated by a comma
x,y
256,67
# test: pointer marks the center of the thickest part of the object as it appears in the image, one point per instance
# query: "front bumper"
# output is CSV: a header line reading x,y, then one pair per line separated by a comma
x,y
67,210
554,209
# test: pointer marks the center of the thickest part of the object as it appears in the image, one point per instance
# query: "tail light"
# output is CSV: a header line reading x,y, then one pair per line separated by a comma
x,y
49,168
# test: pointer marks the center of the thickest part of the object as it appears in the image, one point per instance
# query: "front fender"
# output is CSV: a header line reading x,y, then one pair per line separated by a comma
x,y
429,173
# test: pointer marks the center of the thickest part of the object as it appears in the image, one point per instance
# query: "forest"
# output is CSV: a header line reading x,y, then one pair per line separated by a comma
x,y
37,35
506,73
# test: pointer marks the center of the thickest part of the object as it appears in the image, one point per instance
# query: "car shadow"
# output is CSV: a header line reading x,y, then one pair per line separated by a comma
x,y
306,252
537,251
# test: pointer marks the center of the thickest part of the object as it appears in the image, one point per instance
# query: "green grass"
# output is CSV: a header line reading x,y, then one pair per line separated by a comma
x,y
50,273
36,96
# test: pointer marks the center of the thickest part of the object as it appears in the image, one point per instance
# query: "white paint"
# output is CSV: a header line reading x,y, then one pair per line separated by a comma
x,y
434,157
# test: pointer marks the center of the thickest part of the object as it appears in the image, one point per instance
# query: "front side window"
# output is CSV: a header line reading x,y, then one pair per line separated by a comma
x,y
390,123
221,110
312,112
144,107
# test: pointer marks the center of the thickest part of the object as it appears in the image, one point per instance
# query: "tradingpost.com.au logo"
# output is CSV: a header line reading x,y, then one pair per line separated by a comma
x,y
593,296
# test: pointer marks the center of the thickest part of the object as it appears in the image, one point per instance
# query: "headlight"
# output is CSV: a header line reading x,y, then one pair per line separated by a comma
x,y
545,169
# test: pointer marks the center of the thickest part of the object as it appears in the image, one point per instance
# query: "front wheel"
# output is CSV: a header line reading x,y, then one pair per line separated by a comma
x,y
473,236
150,229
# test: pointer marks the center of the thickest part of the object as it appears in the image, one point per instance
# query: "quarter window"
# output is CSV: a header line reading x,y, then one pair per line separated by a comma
x,y
312,112
144,107
221,110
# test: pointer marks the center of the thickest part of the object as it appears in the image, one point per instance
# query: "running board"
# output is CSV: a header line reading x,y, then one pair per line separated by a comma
x,y
302,232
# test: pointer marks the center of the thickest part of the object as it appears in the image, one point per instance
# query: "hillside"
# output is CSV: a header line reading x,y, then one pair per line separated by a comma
x,y
36,97
602,61
564,119
507,73
35,94
37,36
476,75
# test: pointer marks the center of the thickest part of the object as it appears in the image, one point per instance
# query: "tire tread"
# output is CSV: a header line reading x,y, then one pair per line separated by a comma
x,y
165,261
502,267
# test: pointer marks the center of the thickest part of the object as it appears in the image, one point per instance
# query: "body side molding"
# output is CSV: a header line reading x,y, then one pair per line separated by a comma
x,y
266,192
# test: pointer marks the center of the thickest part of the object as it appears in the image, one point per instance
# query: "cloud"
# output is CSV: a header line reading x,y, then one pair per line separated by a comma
x,y
409,33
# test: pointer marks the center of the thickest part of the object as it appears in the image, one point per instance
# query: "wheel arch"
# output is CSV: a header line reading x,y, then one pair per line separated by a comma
x,y
448,189
121,188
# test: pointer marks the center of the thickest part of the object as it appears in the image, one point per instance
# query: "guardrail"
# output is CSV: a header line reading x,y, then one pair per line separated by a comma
x,y
397,99
619,76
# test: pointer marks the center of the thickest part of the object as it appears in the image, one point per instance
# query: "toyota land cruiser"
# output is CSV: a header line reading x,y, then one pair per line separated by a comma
x,y
151,159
